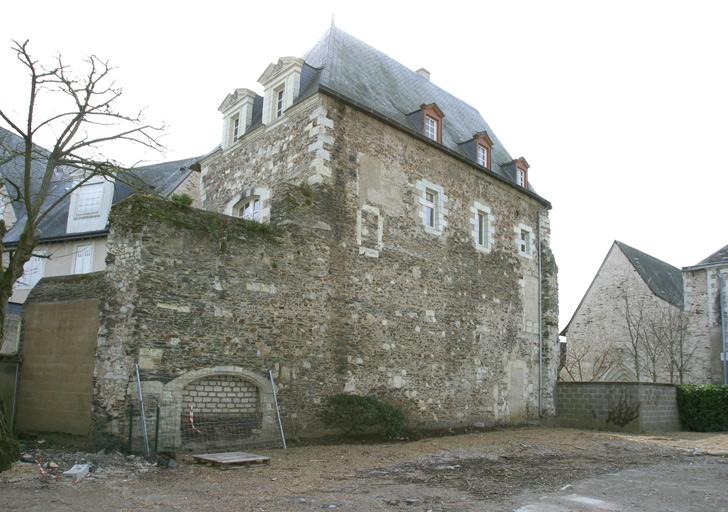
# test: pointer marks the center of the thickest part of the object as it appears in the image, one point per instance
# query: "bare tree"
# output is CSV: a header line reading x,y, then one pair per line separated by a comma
x,y
634,314
674,342
83,123
591,360
658,337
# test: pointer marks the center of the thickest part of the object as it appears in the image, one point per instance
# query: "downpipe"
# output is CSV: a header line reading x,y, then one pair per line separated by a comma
x,y
540,320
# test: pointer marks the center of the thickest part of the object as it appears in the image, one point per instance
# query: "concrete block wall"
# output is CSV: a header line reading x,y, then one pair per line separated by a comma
x,y
221,394
622,406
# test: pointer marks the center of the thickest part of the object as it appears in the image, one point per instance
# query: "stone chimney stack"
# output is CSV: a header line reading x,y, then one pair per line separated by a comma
x,y
423,73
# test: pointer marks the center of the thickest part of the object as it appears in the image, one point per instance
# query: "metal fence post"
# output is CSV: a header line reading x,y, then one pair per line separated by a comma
x,y
156,432
131,423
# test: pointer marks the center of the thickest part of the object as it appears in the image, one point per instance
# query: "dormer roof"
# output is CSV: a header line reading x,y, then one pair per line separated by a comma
x,y
235,97
283,64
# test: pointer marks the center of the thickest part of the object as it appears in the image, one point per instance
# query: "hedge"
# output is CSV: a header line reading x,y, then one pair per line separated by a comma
x,y
703,408
356,415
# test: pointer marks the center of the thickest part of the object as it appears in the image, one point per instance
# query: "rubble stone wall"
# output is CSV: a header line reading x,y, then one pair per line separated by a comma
x,y
344,290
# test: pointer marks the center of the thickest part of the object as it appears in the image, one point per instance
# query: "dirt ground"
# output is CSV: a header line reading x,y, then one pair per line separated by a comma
x,y
528,469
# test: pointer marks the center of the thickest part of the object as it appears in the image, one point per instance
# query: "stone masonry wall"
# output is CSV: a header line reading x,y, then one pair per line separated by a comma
x,y
617,406
344,291
702,303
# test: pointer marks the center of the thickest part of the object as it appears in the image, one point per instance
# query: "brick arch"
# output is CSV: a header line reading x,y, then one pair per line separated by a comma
x,y
173,394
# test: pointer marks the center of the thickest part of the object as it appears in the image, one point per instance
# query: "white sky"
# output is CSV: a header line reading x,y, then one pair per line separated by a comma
x,y
619,107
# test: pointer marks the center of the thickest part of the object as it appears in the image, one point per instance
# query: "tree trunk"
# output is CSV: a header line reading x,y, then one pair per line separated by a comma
x,y
9,450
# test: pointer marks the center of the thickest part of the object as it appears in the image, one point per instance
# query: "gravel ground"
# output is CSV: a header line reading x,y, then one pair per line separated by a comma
x,y
516,469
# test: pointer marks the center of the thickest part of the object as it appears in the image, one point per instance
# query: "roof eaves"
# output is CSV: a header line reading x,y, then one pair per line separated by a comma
x,y
355,104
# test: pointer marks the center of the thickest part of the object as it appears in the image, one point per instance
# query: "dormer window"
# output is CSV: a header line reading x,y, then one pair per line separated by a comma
x,y
522,172
282,82
237,111
427,121
89,199
521,177
280,101
431,128
483,155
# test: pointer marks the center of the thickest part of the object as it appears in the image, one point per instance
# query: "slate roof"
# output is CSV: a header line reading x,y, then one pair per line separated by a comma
x,y
718,257
663,279
161,179
370,78
342,64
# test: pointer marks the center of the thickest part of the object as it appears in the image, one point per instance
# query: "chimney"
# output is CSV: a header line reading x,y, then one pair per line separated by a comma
x,y
423,73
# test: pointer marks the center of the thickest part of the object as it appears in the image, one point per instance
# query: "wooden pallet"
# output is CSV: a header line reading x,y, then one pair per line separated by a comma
x,y
228,459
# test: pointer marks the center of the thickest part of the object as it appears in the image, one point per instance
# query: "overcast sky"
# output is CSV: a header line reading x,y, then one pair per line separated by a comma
x,y
619,107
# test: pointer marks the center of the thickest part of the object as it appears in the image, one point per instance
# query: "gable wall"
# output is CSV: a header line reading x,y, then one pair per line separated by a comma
x,y
599,322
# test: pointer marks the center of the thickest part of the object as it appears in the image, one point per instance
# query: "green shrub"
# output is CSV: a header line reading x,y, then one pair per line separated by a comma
x,y
703,408
183,199
356,415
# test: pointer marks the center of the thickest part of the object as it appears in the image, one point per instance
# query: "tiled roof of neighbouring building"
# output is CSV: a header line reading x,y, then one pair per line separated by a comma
x,y
160,179
718,257
664,280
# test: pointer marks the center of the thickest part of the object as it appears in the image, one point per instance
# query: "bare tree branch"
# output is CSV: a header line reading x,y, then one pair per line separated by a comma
x,y
85,123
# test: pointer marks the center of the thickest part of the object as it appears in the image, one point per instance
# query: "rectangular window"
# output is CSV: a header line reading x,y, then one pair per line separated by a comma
x,y
482,228
279,102
521,176
89,201
431,128
236,128
83,260
32,272
525,242
429,208
482,155
251,210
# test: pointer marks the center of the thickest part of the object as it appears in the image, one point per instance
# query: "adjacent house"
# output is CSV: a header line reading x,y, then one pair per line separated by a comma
x,y
644,319
73,234
360,230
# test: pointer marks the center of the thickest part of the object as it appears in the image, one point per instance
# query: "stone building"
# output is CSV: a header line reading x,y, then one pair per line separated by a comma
x,y
388,244
707,306
644,319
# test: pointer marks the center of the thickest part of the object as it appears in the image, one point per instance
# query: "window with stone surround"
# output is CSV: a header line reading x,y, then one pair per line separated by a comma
x,y
483,224
250,210
524,240
432,206
251,204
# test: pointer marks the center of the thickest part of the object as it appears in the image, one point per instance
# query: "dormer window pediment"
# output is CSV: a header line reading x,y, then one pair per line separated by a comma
x,y
237,111
282,83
